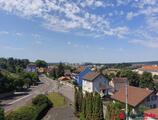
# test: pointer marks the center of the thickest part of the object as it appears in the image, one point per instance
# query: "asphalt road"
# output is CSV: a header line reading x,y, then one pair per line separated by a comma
x,y
48,85
16,101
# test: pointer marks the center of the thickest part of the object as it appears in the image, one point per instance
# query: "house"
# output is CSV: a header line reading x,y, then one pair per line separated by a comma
x,y
67,73
118,82
137,97
153,69
151,114
95,82
79,73
31,68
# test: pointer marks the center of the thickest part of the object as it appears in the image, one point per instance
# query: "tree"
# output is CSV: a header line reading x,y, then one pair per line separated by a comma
x,y
53,74
60,71
41,63
146,80
132,77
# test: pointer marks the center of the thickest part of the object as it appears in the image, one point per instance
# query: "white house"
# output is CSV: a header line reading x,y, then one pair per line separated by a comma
x,y
95,82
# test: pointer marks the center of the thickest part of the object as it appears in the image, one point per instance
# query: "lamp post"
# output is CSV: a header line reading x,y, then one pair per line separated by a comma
x,y
126,95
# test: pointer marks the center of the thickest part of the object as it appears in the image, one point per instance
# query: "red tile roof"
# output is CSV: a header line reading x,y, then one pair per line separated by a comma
x,y
91,76
150,68
136,95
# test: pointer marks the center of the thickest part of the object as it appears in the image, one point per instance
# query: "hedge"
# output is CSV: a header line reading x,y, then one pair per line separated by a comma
x,y
31,112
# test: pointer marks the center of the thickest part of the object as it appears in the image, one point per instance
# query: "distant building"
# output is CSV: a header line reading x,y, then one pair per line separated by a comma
x,y
95,82
79,73
137,97
153,69
31,68
118,82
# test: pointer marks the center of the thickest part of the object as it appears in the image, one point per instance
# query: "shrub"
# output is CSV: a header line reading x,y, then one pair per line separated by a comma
x,y
36,111
41,99
23,113
1,114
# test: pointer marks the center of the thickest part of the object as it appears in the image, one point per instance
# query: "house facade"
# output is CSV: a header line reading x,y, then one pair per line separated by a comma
x,y
117,83
31,68
81,71
95,82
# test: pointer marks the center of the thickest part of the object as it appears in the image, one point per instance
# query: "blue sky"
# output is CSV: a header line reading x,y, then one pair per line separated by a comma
x,y
103,31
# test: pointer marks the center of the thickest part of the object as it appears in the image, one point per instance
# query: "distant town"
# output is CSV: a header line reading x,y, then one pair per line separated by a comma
x,y
40,90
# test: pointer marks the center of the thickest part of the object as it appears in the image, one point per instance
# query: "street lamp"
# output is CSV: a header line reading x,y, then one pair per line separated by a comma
x,y
126,95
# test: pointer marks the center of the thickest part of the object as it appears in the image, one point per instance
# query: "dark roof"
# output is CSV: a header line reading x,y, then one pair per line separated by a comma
x,y
119,80
91,76
135,95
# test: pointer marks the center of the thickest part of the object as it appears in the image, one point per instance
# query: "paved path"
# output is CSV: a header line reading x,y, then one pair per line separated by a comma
x,y
62,113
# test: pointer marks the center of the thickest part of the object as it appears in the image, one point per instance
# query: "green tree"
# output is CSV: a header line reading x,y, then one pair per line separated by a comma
x,y
60,71
146,80
41,63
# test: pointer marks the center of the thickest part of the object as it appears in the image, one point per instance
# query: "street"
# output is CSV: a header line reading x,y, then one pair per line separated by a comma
x,y
47,85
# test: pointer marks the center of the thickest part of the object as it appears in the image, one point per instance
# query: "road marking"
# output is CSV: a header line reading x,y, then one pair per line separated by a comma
x,y
20,99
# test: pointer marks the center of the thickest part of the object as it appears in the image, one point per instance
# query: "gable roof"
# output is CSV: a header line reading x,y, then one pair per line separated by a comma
x,y
150,68
91,76
136,95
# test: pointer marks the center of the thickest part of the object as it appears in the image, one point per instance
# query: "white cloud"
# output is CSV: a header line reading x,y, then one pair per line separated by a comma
x,y
4,32
146,43
12,48
38,42
69,43
63,15
18,34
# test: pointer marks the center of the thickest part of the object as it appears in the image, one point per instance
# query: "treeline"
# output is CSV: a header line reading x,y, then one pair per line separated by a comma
x,y
146,80
88,106
35,111
13,65
11,81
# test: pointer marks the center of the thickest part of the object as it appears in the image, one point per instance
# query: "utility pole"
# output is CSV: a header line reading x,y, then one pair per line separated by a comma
x,y
126,95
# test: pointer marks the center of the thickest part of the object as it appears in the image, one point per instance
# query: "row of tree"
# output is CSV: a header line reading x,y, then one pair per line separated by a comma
x,y
135,79
13,65
88,106
10,81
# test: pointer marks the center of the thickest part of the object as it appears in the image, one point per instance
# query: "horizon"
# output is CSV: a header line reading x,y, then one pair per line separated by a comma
x,y
94,31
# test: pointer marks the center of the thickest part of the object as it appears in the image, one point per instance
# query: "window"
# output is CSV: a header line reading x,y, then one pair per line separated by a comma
x,y
154,106
148,99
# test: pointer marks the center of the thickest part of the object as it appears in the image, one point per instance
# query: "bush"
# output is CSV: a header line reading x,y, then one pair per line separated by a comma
x,y
23,113
41,99
40,106
1,114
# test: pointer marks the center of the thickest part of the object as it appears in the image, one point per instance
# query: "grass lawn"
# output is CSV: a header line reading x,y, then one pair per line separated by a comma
x,y
57,99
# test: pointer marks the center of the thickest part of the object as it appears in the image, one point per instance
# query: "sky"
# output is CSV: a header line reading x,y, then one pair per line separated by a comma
x,y
104,31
